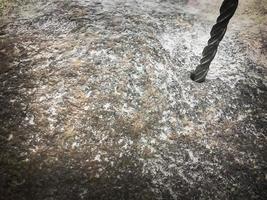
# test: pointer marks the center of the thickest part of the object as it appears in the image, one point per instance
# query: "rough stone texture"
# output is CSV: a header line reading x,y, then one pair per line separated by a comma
x,y
96,101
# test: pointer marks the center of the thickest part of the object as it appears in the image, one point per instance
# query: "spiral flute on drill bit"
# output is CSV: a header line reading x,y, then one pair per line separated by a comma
x,y
217,33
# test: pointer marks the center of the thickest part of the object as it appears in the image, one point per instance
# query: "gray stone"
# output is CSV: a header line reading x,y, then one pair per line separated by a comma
x,y
98,99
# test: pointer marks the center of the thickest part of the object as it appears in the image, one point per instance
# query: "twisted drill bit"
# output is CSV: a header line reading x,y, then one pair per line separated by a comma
x,y
217,33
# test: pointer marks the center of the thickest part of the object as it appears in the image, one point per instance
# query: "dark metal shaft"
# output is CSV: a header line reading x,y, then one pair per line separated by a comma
x,y
227,11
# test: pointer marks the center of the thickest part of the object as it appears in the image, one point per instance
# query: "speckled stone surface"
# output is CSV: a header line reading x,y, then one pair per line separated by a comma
x,y
96,101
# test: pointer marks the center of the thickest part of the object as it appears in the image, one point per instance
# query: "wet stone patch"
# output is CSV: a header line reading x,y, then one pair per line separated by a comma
x,y
96,103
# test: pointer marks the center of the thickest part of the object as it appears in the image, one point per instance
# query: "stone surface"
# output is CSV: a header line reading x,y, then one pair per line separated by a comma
x,y
96,101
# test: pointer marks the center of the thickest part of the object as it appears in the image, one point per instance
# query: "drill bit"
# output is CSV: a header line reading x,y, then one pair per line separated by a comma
x,y
217,33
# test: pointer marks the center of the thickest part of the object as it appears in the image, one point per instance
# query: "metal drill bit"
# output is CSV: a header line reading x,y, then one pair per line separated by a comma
x,y
217,33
